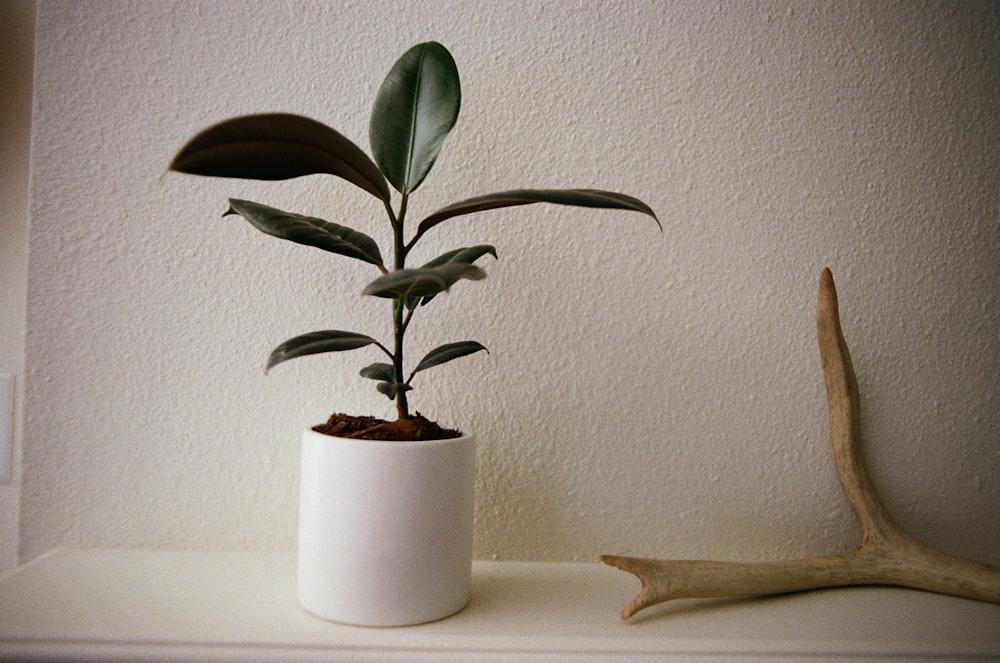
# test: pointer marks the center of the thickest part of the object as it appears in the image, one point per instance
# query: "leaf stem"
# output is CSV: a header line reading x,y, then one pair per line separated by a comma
x,y
413,240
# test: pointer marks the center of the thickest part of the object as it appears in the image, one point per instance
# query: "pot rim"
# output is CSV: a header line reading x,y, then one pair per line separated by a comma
x,y
408,443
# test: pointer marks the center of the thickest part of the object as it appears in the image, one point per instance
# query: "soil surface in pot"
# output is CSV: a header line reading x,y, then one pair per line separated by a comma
x,y
414,429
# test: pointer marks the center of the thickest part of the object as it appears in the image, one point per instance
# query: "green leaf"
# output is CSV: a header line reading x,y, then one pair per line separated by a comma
x,y
446,353
386,376
415,109
574,197
278,146
390,389
379,371
308,230
316,343
422,281
465,255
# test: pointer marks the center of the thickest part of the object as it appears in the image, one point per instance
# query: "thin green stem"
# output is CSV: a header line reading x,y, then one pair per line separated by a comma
x,y
384,349
413,241
406,323
399,329
400,320
399,246
389,212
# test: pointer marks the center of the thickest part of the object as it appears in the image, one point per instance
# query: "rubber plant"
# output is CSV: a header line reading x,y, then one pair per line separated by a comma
x,y
414,110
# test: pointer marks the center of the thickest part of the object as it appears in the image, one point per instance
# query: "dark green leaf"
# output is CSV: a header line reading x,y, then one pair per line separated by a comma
x,y
446,353
308,230
415,109
278,146
316,343
422,281
378,371
466,255
390,389
575,197
406,283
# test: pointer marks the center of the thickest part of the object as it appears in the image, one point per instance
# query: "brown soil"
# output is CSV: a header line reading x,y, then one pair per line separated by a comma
x,y
370,428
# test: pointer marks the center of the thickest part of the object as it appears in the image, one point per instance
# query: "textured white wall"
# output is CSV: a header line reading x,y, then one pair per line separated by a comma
x,y
654,394
17,30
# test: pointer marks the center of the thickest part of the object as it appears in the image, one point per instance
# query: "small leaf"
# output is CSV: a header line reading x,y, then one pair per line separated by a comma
x,y
466,255
446,353
422,281
378,371
417,105
574,197
308,230
278,146
406,283
316,343
390,389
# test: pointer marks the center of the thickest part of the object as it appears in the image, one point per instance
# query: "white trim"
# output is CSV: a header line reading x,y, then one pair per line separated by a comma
x,y
158,606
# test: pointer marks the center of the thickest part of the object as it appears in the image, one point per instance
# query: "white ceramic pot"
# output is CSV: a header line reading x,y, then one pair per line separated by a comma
x,y
385,529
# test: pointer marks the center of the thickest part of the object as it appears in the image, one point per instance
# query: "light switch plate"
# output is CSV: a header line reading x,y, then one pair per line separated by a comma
x,y
6,425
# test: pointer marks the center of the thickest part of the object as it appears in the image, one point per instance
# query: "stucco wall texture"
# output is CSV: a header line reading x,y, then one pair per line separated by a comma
x,y
645,393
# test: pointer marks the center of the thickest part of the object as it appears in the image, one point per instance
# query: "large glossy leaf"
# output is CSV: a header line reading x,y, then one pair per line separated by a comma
x,y
317,343
308,230
422,281
415,109
447,352
575,197
278,146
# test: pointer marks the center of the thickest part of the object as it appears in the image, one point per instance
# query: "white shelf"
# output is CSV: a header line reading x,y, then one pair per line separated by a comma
x,y
160,606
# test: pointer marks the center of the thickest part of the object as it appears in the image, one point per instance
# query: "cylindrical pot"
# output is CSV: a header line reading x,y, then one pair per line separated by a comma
x,y
385,529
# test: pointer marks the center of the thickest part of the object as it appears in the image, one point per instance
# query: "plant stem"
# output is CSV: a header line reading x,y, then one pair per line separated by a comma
x,y
399,328
399,306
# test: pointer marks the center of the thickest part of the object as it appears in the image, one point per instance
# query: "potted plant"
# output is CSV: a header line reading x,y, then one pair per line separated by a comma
x,y
386,507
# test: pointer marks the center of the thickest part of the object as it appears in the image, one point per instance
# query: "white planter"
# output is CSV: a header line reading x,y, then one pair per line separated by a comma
x,y
385,529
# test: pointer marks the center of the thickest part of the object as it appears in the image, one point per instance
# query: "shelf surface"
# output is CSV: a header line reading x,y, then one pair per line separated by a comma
x,y
131,605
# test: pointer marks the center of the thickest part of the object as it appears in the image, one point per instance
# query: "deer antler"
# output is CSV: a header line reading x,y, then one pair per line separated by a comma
x,y
887,555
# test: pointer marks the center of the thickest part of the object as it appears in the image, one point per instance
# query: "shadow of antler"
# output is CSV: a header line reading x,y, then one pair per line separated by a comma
x,y
887,555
